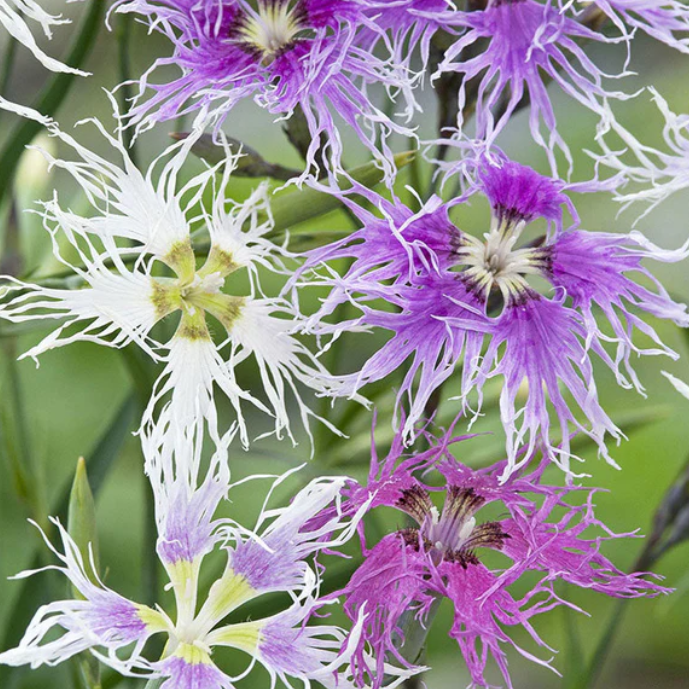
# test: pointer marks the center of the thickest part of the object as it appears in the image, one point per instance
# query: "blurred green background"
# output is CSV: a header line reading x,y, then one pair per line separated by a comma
x,y
71,400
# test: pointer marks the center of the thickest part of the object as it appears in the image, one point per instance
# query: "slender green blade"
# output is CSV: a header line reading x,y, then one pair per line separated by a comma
x,y
53,96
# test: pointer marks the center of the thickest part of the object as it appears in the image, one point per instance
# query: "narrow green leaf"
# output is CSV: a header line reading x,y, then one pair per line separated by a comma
x,y
153,683
575,661
15,440
88,669
111,680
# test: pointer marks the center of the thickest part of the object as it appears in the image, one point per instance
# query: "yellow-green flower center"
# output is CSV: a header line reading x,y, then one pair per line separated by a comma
x,y
196,293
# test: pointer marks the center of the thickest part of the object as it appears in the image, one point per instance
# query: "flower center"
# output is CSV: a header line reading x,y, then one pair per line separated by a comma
x,y
196,293
453,534
494,262
271,28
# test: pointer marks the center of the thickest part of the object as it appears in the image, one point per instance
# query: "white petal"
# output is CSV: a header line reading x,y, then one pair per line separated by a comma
x,y
12,17
193,367
149,208
283,361
114,310
239,228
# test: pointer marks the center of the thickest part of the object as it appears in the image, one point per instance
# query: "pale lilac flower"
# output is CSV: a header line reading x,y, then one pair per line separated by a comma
x,y
458,299
411,25
14,16
279,555
141,223
283,54
543,530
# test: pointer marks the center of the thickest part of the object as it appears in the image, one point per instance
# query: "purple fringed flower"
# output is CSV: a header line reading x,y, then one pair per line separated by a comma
x,y
452,294
284,54
441,556
525,42
411,25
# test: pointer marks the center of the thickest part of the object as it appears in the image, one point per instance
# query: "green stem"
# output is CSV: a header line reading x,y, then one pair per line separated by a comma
x,y
589,678
52,97
150,570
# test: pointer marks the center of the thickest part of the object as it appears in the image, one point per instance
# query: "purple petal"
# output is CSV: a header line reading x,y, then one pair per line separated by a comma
x,y
544,348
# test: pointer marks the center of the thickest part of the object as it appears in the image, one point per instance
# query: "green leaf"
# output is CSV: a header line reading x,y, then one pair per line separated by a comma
x,y
88,668
575,661
153,683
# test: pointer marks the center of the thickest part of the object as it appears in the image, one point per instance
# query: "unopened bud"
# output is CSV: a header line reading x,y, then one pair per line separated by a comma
x,y
81,520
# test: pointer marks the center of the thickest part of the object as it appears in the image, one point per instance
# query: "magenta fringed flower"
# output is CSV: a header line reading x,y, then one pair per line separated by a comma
x,y
548,531
464,299
283,54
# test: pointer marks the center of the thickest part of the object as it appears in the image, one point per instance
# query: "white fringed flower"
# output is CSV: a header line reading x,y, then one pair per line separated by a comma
x,y
14,15
138,266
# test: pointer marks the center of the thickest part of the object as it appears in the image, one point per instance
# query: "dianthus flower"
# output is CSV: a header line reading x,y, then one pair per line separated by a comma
x,y
284,54
453,294
548,531
138,267
14,15
513,48
277,556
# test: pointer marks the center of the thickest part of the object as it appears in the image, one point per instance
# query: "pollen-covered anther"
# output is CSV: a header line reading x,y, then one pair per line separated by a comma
x,y
272,28
461,503
413,539
455,534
